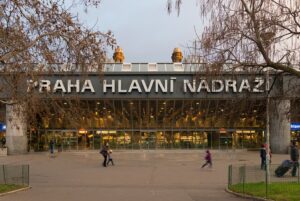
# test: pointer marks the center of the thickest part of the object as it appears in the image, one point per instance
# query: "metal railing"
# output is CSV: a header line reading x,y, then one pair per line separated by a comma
x,y
14,174
250,179
132,67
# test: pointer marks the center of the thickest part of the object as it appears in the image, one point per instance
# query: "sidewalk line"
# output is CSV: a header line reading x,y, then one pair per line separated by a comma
x,y
15,191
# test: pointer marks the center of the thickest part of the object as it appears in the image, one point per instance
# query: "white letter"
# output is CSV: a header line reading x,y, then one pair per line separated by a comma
x,y
213,88
112,86
244,85
59,85
259,82
120,90
76,86
163,88
44,84
87,85
134,85
203,84
191,88
31,84
172,79
147,89
230,83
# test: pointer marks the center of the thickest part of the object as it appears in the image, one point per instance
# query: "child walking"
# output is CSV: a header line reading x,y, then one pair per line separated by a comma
x,y
207,159
109,157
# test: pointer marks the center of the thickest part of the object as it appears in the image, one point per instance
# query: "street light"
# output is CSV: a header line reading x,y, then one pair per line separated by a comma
x,y
268,128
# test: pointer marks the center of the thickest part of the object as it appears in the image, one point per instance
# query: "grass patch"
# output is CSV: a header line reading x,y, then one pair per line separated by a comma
x,y
9,187
277,191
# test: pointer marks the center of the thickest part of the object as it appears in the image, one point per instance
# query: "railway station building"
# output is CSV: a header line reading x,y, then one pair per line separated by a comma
x,y
157,106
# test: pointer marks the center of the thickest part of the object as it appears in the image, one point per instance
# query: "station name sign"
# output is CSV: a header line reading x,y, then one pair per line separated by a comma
x,y
127,86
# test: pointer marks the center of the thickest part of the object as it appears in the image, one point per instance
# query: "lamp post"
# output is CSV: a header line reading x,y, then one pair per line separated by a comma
x,y
267,129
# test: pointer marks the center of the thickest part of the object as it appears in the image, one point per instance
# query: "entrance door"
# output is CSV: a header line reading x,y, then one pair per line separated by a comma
x,y
148,139
225,140
70,140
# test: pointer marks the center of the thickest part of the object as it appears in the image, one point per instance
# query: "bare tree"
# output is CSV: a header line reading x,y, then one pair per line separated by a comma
x,y
44,32
251,33
35,35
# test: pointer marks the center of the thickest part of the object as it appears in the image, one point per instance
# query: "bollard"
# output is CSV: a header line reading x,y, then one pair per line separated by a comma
x,y
4,176
243,177
229,176
23,175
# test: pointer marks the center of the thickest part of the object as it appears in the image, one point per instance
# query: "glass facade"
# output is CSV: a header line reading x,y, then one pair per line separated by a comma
x,y
153,124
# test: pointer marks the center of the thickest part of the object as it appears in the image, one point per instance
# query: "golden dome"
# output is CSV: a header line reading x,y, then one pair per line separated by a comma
x,y
119,55
177,55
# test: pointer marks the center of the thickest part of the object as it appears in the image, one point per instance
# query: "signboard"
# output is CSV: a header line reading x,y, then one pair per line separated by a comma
x,y
145,86
151,85
2,127
295,126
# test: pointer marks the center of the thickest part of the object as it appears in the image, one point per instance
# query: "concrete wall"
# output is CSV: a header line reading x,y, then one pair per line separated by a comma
x,y
16,138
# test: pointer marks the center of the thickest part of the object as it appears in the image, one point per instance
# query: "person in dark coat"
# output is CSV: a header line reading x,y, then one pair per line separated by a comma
x,y
51,144
104,152
208,159
263,156
294,158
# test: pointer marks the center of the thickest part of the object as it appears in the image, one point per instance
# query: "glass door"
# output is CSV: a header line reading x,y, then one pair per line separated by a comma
x,y
148,140
69,140
225,140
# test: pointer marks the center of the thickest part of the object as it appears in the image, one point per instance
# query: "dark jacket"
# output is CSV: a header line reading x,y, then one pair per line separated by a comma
x,y
263,153
294,153
104,151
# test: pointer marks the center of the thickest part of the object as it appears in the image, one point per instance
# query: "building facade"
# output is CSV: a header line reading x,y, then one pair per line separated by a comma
x,y
156,106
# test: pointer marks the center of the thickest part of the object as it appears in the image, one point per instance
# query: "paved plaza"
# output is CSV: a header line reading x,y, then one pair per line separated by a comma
x,y
138,175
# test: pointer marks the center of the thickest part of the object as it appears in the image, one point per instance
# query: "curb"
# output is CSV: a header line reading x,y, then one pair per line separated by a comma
x,y
247,196
15,191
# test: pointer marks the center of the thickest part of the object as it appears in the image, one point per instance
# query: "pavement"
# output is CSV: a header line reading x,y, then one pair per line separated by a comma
x,y
138,175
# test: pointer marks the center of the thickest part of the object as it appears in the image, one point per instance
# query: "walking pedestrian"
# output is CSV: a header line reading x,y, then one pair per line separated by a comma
x,y
109,157
51,145
263,156
294,157
208,159
104,153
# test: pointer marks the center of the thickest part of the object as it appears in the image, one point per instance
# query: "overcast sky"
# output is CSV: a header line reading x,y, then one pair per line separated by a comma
x,y
144,29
